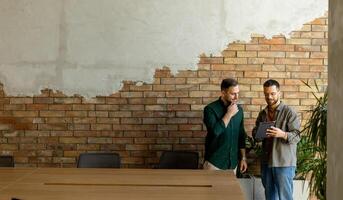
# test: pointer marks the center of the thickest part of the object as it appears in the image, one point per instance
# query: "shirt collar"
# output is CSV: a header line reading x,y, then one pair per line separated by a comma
x,y
278,108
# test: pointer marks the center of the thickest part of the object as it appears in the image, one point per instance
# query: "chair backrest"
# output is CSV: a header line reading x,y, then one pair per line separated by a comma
x,y
179,160
6,161
98,160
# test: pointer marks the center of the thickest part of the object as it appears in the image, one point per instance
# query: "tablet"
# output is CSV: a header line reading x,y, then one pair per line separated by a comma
x,y
262,129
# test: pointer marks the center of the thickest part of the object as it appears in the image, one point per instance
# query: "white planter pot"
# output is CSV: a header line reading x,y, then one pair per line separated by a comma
x,y
253,189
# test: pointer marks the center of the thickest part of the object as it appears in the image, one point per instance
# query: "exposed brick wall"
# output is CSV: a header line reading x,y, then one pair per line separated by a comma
x,y
141,120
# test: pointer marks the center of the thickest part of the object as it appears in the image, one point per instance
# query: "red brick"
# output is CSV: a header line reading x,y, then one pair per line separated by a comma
x,y
131,147
236,47
83,107
51,113
25,113
189,114
168,127
312,35
228,53
94,100
167,140
185,147
211,60
168,100
257,47
235,61
99,140
67,100
46,127
21,100
274,40
256,74
204,74
100,127
145,140
302,41
144,87
320,68
199,94
9,147
37,106
312,61
131,107
222,67
275,75
163,87
73,140
192,140
257,61
319,41
295,95
286,61
271,54
319,27
106,107
319,21
286,47
319,55
131,94
246,54
43,100
32,146
76,113
307,48
134,127
190,127
160,73
116,101
204,66
186,73
120,114
134,134
197,107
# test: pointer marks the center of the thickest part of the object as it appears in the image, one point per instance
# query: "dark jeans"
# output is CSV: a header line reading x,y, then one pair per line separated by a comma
x,y
277,182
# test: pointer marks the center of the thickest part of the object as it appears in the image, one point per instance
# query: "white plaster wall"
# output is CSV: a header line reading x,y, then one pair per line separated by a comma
x,y
88,47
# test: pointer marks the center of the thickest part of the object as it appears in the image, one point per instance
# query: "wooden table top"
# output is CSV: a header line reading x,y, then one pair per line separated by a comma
x,y
126,184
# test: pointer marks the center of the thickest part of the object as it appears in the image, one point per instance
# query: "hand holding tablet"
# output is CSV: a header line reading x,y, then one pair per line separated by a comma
x,y
262,129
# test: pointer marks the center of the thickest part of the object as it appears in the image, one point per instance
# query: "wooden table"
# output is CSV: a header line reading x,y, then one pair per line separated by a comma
x,y
124,184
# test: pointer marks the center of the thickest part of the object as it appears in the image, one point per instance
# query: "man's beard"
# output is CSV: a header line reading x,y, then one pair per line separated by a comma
x,y
272,102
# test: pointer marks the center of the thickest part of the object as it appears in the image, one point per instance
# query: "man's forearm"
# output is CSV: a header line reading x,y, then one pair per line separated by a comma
x,y
243,154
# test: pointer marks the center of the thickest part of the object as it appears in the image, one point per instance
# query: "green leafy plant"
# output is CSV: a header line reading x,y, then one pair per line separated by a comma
x,y
312,149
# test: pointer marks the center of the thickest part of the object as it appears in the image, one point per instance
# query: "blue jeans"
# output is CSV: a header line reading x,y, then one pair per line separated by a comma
x,y
277,182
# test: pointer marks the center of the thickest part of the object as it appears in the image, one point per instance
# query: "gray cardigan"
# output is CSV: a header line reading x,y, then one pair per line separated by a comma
x,y
283,151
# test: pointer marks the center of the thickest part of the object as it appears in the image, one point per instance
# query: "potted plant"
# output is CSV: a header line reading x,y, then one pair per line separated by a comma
x,y
312,150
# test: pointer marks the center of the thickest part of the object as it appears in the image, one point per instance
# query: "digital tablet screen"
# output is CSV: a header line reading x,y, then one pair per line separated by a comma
x,y
262,129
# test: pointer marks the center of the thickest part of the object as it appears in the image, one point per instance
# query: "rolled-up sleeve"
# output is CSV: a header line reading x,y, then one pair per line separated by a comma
x,y
242,134
293,128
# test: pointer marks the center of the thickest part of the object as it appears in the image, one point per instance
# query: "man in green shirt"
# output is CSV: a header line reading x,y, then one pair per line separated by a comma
x,y
225,139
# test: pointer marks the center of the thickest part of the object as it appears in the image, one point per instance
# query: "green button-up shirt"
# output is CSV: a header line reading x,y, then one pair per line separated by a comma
x,y
223,143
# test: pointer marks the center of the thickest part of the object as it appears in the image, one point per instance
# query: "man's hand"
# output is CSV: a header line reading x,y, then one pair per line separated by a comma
x,y
243,166
276,132
232,109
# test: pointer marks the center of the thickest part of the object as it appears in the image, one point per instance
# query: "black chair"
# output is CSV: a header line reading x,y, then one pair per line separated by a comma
x,y
6,161
98,160
179,160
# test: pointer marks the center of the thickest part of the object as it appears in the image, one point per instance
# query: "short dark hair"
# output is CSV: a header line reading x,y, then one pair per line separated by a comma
x,y
270,83
228,82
